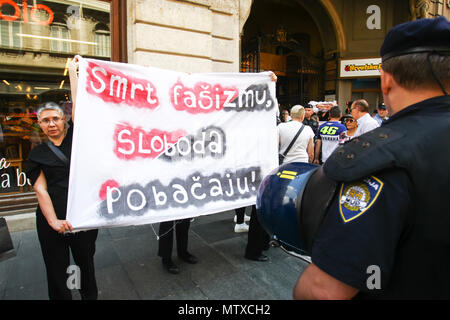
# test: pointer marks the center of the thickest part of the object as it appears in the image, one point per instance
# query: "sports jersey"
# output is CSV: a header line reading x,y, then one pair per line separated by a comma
x,y
329,133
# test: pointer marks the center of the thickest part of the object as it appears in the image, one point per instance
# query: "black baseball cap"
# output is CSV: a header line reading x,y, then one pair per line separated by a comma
x,y
382,106
418,36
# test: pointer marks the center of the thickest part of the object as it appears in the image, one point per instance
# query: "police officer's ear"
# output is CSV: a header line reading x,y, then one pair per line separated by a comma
x,y
387,81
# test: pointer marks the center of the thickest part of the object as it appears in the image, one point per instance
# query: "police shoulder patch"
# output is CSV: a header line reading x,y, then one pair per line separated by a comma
x,y
356,198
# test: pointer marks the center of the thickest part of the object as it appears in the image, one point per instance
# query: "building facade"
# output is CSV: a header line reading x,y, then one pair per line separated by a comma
x,y
305,42
319,49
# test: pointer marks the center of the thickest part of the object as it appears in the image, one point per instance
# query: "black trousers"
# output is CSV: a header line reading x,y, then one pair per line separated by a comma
x,y
165,244
56,252
240,212
258,238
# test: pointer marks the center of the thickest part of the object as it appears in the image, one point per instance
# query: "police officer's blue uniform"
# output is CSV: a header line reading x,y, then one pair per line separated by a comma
x,y
395,219
362,228
390,212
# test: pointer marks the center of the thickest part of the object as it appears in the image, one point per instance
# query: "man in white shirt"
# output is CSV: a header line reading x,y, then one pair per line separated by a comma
x,y
360,111
303,148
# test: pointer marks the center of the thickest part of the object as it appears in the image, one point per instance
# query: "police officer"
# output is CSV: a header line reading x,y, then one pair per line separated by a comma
x,y
385,233
309,120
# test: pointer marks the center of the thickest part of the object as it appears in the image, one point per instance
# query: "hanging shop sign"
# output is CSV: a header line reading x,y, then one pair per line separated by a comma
x,y
357,68
153,145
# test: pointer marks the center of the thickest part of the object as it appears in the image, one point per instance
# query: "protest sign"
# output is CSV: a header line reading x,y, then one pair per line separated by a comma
x,y
154,145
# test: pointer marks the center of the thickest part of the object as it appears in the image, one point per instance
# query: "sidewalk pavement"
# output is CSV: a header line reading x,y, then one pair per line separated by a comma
x,y
128,268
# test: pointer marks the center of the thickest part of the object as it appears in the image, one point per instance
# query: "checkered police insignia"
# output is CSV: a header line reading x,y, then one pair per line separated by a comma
x,y
357,197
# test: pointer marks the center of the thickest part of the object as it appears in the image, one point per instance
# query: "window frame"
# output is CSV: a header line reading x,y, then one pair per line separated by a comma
x,y
62,32
11,25
118,21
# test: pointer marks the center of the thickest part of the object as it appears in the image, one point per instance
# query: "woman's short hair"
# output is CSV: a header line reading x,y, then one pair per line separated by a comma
x,y
297,111
49,106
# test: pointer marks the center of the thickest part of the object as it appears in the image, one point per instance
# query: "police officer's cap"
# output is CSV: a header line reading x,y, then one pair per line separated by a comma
x,y
422,35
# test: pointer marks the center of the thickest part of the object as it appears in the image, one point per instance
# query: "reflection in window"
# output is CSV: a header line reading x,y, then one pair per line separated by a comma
x,y
60,31
8,34
103,40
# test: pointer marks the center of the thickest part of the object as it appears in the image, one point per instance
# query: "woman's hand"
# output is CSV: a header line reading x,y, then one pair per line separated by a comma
x,y
273,76
46,205
61,226
73,64
73,77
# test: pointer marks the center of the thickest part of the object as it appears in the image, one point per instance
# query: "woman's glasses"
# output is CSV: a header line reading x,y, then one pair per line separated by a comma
x,y
47,121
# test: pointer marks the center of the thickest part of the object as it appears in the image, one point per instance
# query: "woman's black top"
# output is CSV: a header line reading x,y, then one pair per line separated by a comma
x,y
55,171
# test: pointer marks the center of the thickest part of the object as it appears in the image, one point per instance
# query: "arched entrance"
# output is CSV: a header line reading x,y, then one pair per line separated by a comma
x,y
296,39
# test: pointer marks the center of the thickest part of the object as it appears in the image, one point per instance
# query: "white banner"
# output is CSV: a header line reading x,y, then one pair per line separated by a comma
x,y
153,145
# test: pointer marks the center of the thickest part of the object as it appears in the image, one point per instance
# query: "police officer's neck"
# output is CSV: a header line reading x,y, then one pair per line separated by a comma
x,y
400,98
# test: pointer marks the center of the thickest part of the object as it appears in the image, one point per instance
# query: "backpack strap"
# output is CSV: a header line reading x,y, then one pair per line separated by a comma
x,y
57,152
293,140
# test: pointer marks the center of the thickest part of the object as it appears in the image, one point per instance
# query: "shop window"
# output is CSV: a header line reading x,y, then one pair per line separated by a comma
x,y
35,49
9,31
369,83
368,89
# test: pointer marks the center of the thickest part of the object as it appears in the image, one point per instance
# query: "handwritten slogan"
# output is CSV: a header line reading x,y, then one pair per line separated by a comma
x,y
154,145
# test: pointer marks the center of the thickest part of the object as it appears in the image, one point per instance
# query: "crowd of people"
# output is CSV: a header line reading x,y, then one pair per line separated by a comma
x,y
320,138
303,137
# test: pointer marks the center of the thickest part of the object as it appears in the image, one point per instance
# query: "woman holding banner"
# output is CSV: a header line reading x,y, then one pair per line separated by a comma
x,y
48,170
